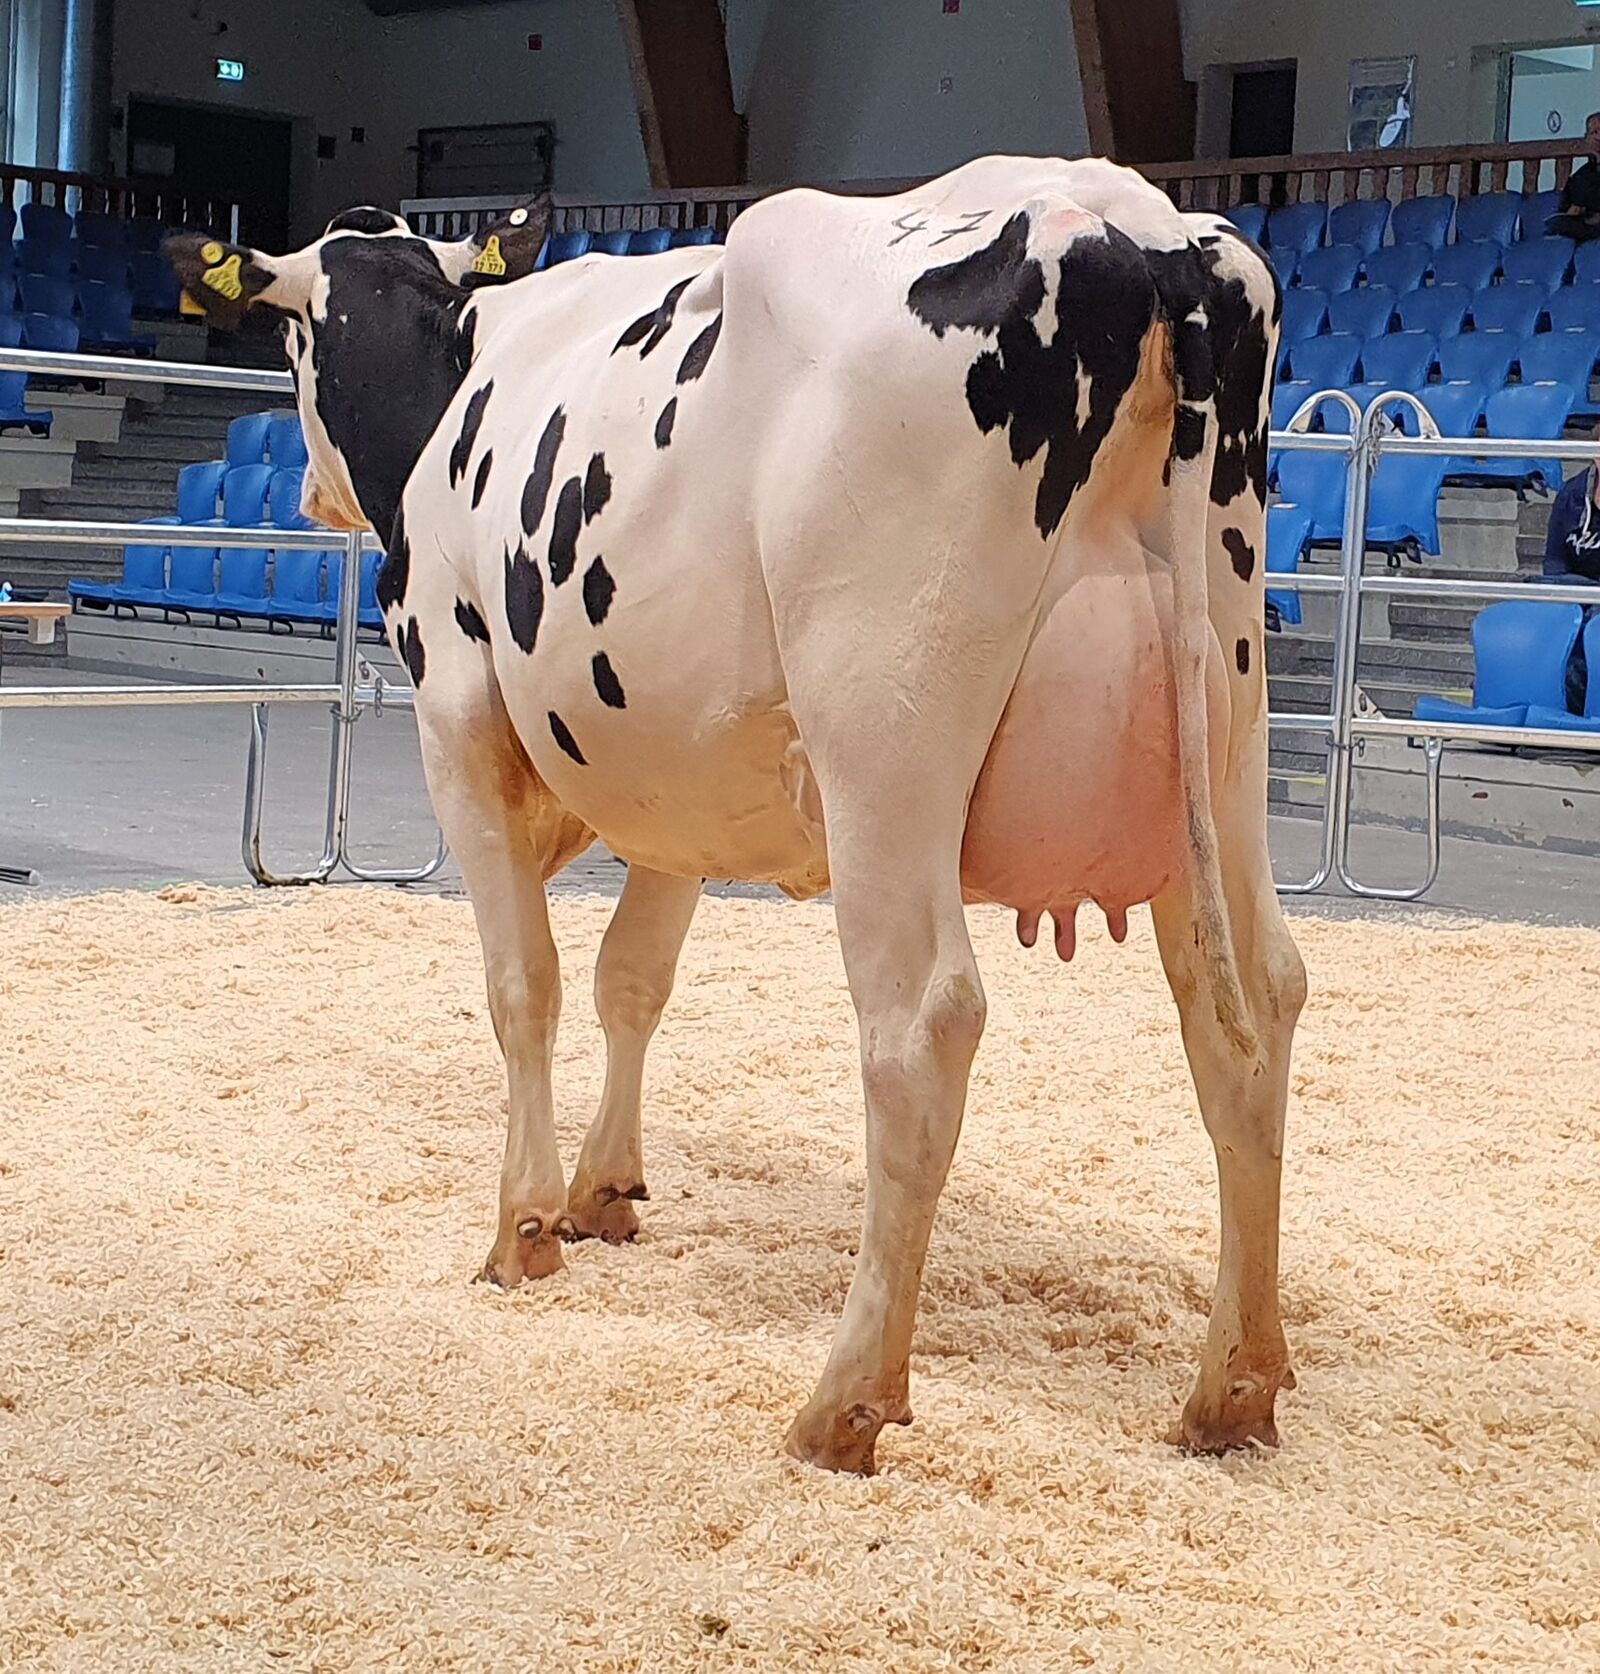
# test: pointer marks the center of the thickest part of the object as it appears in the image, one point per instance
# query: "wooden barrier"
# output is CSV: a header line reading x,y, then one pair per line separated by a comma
x,y
1333,177
125,199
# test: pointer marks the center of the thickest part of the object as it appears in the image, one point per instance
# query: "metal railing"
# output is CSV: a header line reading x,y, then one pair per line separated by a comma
x,y
1373,434
345,696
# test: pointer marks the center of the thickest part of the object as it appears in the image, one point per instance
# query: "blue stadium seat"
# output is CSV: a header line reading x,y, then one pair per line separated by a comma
x,y
155,285
1456,408
1305,313
43,223
200,490
242,582
1250,219
50,334
1364,313
1555,358
1285,263
1297,226
283,499
286,442
107,322
614,243
1402,267
54,260
1512,308
1585,260
1537,208
1520,650
1362,224
1536,412
1288,530
650,241
144,579
1332,268
1402,360
296,587
1440,309
1423,221
1560,719
144,233
1575,308
191,579
15,413
44,293
1538,261
568,246
1403,507
99,231
244,496
708,235
368,614
1472,265
1491,216
1315,482
103,264
1328,362
247,439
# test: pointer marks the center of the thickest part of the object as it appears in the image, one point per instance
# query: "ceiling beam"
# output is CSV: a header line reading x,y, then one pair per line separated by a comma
x,y
678,58
1139,107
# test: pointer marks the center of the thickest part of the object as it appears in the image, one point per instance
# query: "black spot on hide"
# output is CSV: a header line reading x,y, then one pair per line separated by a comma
x,y
1104,307
598,591
1241,656
411,651
650,328
606,682
563,736
1240,551
536,491
524,599
481,481
664,424
471,622
395,571
596,488
698,355
471,423
564,528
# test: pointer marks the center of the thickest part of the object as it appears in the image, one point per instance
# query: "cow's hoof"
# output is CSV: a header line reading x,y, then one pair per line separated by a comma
x,y
1243,1418
528,1251
840,1440
605,1212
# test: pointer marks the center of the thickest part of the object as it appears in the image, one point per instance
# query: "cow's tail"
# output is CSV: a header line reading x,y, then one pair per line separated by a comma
x,y
1187,506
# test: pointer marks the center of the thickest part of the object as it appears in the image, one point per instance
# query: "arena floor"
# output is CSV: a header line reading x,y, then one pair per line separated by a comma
x,y
253,1415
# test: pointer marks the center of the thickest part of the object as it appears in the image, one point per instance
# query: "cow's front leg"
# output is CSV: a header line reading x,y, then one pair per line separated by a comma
x,y
920,1006
503,827
632,983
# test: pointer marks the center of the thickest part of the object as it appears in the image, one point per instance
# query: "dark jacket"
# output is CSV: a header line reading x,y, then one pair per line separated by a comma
x,y
1572,546
1582,191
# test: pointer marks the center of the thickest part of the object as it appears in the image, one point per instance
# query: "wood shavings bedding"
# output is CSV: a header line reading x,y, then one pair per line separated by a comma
x,y
254,1415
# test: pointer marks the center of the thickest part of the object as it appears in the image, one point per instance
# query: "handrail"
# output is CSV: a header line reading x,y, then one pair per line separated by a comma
x,y
193,374
115,195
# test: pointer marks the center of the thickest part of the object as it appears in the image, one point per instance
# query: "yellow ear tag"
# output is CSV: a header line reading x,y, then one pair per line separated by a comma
x,y
490,260
212,253
224,278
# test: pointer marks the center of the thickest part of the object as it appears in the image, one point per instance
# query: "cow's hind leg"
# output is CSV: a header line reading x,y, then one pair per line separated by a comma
x,y
506,832
1242,1098
632,983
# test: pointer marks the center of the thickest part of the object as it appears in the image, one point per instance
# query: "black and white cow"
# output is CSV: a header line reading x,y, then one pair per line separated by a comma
x,y
905,546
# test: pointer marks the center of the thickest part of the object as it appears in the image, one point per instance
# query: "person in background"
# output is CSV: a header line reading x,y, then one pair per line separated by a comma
x,y
1579,215
1572,553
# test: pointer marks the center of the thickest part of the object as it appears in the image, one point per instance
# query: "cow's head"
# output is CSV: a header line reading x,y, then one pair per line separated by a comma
x,y
375,334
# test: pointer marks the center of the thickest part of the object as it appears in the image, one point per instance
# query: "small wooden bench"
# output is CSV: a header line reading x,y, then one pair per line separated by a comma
x,y
41,618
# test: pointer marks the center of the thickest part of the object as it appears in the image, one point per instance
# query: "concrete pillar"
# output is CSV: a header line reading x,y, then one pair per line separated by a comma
x,y
36,81
85,124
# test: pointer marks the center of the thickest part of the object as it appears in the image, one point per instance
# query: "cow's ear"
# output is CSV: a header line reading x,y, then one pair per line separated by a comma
x,y
222,281
509,248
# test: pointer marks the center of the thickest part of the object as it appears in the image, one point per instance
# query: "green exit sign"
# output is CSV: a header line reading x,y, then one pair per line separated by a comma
x,y
230,69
